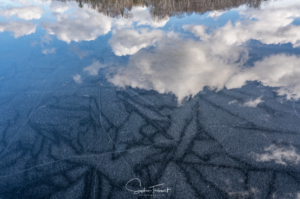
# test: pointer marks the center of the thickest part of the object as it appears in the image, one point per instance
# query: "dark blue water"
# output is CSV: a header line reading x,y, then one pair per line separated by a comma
x,y
149,99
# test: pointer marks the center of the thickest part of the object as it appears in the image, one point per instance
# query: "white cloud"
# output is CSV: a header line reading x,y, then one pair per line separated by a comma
x,y
128,42
84,24
253,103
49,51
278,4
59,7
141,16
27,12
31,2
43,1
94,68
22,2
279,154
272,25
275,71
19,28
74,27
249,103
232,102
183,67
77,79
215,14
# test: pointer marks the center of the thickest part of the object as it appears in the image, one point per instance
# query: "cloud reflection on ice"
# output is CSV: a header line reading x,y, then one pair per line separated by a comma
x,y
217,60
279,154
75,28
181,66
19,28
26,12
169,63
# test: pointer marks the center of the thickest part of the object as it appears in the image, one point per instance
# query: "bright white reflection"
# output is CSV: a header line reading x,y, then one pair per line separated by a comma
x,y
84,24
31,2
276,71
27,12
141,16
19,28
59,7
271,25
216,60
183,67
281,155
250,103
253,103
169,63
215,14
128,42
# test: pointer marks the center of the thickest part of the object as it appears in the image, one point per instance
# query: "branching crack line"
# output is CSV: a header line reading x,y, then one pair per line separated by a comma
x,y
100,118
97,155
33,109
